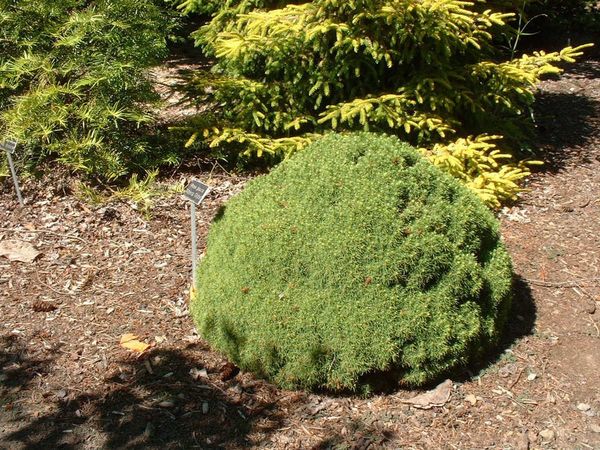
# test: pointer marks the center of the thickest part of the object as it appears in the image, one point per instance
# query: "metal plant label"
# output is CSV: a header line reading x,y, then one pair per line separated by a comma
x,y
9,146
196,192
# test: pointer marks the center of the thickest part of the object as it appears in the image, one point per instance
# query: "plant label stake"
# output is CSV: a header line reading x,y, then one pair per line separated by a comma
x,y
9,147
195,193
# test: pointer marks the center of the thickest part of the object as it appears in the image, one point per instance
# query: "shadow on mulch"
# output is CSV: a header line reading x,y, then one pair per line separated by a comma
x,y
564,127
520,324
18,369
359,436
165,410
523,313
586,69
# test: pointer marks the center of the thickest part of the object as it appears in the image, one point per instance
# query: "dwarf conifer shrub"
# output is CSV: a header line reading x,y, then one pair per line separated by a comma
x,y
74,82
428,71
352,257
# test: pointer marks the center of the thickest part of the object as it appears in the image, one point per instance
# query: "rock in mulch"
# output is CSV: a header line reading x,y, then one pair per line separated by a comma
x,y
435,398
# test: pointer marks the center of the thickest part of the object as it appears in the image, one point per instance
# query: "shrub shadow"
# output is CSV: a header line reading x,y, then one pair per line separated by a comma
x,y
520,323
17,369
589,68
164,409
358,436
554,39
565,126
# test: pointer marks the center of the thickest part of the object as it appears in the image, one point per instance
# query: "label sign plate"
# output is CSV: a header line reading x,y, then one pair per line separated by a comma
x,y
9,146
196,191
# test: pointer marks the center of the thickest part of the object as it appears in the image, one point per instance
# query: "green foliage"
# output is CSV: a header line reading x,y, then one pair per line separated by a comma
x,y
572,15
353,257
211,6
224,15
482,167
73,80
4,169
548,22
139,193
424,70
506,5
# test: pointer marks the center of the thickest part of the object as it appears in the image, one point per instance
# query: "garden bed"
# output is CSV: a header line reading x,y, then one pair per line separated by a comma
x,y
106,271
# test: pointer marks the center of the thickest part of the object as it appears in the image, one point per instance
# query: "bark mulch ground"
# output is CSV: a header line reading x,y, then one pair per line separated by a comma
x,y
65,382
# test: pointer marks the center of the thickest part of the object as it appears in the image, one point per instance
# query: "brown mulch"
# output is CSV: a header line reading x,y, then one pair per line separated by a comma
x,y
65,381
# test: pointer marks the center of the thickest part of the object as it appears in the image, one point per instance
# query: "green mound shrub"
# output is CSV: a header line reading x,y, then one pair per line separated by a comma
x,y
352,257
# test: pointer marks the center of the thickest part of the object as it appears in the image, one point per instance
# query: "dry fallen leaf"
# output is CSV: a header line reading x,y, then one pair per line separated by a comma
x,y
436,397
131,342
16,250
471,399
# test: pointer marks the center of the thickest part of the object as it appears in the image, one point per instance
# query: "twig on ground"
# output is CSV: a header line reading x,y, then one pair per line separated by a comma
x,y
516,379
53,233
56,291
571,283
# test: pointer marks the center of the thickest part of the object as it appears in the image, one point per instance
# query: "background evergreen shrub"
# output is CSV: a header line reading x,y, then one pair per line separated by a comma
x,y
74,82
428,71
564,15
354,256
548,23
